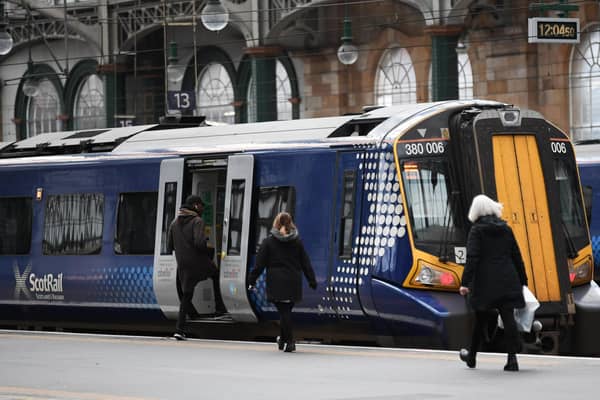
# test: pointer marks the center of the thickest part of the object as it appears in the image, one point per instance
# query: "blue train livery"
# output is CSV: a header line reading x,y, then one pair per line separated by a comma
x,y
380,199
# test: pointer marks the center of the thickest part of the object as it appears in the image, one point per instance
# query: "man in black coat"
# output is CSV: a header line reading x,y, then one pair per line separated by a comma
x,y
194,264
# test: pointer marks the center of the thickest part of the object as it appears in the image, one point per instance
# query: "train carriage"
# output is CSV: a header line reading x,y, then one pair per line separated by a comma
x,y
380,199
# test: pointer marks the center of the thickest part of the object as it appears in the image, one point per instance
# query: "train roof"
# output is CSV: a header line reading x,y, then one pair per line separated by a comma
x,y
373,126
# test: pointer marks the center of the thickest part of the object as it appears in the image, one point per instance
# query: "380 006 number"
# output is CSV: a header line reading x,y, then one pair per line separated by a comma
x,y
416,149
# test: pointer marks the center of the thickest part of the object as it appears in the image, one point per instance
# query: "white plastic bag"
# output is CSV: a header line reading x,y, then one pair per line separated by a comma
x,y
524,316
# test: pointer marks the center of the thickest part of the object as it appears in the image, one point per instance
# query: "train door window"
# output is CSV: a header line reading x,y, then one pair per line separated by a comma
x,y
136,223
234,243
169,208
571,207
15,225
73,224
426,183
347,216
272,201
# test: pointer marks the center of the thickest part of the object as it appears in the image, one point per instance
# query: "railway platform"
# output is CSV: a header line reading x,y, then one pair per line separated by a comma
x,y
64,366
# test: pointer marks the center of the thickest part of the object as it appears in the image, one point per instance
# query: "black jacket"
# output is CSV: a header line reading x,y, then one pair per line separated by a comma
x,y
494,272
186,237
285,259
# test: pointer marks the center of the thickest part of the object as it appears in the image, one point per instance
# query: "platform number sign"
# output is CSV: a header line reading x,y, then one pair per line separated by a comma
x,y
181,100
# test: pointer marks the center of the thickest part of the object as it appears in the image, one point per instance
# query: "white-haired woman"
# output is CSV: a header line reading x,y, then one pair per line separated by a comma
x,y
493,277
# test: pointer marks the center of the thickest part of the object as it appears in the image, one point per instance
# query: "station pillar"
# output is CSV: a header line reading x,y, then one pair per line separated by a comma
x,y
444,61
264,61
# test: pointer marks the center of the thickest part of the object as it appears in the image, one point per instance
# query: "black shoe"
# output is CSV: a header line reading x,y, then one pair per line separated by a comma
x,y
511,363
289,347
180,336
468,357
280,343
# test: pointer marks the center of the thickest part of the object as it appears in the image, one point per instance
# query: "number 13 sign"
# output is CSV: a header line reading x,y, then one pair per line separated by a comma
x,y
177,100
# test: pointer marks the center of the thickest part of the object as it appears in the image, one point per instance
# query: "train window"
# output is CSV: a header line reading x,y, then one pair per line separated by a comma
x,y
15,225
169,208
136,223
571,207
347,216
236,213
426,183
73,224
272,201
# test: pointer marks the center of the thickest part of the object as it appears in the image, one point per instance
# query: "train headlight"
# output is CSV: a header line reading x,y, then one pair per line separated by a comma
x,y
435,276
580,273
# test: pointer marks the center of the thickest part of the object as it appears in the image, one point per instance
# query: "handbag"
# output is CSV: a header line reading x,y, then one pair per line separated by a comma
x,y
524,316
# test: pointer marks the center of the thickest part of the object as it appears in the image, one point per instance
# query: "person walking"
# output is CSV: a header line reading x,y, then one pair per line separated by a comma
x,y
194,264
283,255
493,277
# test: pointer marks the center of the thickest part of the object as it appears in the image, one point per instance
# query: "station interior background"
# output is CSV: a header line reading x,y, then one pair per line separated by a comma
x,y
76,65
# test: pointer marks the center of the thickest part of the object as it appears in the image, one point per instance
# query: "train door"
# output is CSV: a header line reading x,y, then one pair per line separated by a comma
x,y
165,266
521,188
236,233
343,272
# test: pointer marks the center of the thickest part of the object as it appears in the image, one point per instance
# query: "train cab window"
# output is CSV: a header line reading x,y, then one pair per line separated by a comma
x,y
272,201
73,224
347,215
571,207
169,208
15,225
136,223
236,213
432,217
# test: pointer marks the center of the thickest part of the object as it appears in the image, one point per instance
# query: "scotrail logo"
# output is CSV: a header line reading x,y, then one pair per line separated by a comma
x,y
45,287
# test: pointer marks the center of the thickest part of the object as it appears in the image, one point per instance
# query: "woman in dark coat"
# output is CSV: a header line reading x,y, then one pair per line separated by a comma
x,y
493,277
282,254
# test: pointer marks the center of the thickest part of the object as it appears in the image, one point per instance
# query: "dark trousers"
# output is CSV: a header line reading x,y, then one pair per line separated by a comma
x,y
185,308
219,305
511,334
285,320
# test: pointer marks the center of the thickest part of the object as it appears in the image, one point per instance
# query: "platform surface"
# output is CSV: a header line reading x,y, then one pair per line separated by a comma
x,y
61,366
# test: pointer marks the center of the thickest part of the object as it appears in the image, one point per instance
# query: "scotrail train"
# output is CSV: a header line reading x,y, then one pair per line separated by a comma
x,y
379,198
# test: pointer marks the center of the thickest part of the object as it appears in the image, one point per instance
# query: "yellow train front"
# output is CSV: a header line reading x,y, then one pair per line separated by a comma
x,y
528,164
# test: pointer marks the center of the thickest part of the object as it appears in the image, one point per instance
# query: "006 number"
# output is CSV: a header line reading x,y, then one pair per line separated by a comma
x,y
558,147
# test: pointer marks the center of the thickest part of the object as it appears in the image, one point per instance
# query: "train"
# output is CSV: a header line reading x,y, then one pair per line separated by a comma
x,y
380,200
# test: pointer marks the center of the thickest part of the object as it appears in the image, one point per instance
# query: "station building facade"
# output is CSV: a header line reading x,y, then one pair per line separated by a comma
x,y
93,64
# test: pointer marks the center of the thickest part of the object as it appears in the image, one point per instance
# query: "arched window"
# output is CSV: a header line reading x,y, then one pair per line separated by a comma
x,y
284,93
215,94
465,75
89,111
395,81
585,86
43,110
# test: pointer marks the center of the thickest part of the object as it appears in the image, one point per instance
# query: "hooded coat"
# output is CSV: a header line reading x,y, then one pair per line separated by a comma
x,y
186,237
286,260
495,272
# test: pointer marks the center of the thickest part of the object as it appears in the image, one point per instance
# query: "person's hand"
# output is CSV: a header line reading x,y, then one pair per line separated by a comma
x,y
463,290
313,285
251,288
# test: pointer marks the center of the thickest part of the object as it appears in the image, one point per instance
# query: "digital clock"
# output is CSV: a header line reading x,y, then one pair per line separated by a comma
x,y
553,30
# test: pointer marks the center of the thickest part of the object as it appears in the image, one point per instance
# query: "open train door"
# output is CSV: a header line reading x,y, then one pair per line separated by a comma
x,y
165,266
236,233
